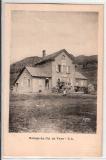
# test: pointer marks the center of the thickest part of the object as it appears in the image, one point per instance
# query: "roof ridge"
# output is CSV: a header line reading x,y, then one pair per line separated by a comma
x,y
53,55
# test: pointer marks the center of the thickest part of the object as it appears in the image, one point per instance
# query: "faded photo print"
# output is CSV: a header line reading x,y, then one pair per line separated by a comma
x,y
53,72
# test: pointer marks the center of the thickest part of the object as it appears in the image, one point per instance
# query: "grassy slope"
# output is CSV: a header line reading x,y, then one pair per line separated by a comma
x,y
87,65
90,72
39,113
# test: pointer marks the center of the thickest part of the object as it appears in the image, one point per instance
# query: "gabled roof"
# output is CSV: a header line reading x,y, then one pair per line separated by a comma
x,y
38,72
34,72
52,56
79,75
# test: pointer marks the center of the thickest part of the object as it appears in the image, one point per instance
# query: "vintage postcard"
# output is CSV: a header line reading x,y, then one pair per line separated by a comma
x,y
52,88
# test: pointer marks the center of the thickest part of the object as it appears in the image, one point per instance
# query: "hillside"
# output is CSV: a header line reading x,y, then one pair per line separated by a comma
x,y
85,60
90,72
87,65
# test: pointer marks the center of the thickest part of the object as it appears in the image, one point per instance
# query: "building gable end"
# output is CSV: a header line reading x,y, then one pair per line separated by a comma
x,y
23,70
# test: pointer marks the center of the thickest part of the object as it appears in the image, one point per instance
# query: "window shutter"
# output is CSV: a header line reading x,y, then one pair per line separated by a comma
x,y
57,70
62,68
68,69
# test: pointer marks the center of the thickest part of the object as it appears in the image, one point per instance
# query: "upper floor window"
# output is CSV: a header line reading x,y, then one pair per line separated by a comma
x,y
63,57
29,82
63,68
63,60
68,69
58,68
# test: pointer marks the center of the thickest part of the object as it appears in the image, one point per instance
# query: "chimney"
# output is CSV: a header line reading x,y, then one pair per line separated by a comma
x,y
43,53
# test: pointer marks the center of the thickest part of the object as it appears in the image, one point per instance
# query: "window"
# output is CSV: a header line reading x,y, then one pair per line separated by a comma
x,y
68,69
58,68
64,69
29,82
63,60
63,57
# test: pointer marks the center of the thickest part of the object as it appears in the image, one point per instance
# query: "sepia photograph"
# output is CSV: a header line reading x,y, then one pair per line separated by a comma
x,y
53,72
52,80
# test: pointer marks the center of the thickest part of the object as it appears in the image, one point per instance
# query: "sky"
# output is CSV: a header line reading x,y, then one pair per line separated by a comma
x,y
34,31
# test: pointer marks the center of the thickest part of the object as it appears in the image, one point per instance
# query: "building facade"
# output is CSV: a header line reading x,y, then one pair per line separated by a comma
x,y
58,67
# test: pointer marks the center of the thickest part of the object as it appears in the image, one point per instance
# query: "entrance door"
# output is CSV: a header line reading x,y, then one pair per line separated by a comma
x,y
47,83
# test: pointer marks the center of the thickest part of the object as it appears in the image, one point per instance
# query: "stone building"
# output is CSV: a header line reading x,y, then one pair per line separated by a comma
x,y
51,69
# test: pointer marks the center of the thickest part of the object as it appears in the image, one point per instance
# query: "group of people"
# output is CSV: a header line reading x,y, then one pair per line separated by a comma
x,y
62,88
